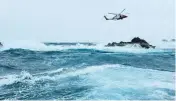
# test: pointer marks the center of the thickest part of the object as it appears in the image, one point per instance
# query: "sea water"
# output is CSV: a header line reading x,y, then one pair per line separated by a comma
x,y
85,71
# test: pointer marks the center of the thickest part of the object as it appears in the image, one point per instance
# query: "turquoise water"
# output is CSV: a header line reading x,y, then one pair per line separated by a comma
x,y
84,71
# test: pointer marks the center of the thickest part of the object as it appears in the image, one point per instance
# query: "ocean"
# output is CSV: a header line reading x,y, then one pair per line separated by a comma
x,y
86,71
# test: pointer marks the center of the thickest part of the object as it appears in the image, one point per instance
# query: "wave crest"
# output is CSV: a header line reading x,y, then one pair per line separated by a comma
x,y
38,46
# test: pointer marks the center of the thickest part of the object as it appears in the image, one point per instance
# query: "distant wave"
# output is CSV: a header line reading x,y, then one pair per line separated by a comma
x,y
48,46
69,43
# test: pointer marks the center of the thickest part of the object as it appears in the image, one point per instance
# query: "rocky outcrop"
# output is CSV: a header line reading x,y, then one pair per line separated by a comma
x,y
134,41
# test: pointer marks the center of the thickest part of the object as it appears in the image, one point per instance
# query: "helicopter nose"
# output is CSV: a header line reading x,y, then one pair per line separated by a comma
x,y
125,16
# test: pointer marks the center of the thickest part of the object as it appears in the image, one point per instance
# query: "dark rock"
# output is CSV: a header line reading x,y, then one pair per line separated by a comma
x,y
1,44
172,40
164,40
112,44
136,40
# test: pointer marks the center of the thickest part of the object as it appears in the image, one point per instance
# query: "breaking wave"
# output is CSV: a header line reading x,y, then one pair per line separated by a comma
x,y
113,81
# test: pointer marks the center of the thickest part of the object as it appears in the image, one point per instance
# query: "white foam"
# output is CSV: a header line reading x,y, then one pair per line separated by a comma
x,y
126,76
10,79
51,72
7,80
23,44
120,80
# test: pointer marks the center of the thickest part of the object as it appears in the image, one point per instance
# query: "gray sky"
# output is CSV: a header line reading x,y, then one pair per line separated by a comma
x,y
82,20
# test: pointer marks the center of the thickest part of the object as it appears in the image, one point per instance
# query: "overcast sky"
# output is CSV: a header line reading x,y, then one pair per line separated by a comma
x,y
82,20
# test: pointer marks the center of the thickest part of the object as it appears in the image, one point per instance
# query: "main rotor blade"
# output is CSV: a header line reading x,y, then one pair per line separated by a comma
x,y
122,11
113,13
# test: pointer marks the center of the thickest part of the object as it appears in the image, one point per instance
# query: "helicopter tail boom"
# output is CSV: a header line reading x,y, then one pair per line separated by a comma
x,y
106,18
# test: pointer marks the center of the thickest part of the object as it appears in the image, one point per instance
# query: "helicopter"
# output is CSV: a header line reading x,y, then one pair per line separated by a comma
x,y
119,16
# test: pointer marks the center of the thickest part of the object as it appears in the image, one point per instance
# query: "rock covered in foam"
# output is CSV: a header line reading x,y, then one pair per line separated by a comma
x,y
134,42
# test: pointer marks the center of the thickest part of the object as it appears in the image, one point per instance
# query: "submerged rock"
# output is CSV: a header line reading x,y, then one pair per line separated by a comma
x,y
134,41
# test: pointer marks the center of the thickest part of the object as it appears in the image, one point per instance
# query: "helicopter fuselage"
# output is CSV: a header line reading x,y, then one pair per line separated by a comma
x,y
117,17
